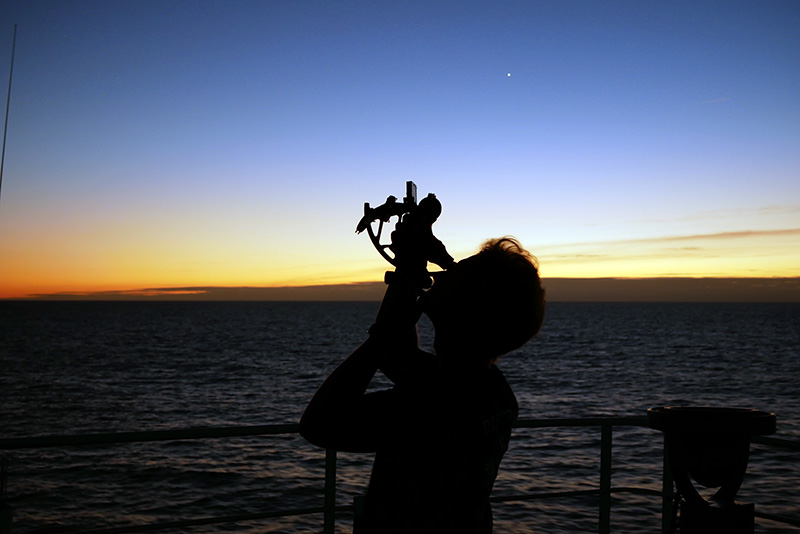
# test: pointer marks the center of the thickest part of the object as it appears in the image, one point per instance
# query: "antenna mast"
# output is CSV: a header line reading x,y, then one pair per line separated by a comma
x,y
8,104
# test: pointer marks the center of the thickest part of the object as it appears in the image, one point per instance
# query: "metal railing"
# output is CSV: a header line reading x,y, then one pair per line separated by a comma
x,y
330,509
604,489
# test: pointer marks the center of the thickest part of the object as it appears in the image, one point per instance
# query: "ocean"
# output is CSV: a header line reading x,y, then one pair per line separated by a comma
x,y
87,367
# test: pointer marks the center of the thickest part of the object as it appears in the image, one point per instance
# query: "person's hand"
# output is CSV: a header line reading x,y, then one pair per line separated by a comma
x,y
399,311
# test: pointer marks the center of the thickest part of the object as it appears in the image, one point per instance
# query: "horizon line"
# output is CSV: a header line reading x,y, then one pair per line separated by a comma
x,y
601,289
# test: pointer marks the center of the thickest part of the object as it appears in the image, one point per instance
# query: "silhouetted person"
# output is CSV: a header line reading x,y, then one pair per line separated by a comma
x,y
439,434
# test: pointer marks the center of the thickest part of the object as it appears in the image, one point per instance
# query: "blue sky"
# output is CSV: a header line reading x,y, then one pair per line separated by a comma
x,y
233,143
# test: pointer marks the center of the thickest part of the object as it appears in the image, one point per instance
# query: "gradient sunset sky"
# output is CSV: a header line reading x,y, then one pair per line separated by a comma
x,y
193,143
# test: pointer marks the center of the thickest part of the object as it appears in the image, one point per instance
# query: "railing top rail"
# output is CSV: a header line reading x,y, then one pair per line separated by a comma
x,y
35,442
776,442
257,430
582,421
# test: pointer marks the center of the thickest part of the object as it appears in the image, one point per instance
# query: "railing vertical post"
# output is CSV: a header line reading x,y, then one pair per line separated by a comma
x,y
604,526
6,512
667,513
330,492
6,518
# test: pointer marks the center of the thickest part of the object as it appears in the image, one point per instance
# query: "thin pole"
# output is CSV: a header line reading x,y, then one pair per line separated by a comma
x,y
8,104
329,519
605,479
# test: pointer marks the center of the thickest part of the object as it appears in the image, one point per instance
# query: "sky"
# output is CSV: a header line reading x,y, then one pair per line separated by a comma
x,y
178,144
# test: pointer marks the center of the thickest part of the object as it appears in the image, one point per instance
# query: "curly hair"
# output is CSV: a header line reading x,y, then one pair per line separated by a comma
x,y
508,294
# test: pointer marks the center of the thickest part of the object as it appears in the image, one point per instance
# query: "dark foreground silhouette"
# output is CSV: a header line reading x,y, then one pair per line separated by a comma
x,y
440,433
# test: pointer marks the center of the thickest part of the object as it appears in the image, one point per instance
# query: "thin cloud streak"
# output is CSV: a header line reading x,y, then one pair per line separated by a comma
x,y
731,213
677,238
359,291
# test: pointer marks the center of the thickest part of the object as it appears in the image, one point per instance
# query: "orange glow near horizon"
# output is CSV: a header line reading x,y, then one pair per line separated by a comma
x,y
747,256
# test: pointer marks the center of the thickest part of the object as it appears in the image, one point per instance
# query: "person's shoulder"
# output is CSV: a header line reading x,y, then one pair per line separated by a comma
x,y
496,377
501,388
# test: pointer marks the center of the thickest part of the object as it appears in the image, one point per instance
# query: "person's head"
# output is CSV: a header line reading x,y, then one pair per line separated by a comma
x,y
488,304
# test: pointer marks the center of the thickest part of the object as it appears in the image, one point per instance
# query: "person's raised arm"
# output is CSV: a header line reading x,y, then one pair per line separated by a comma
x,y
338,416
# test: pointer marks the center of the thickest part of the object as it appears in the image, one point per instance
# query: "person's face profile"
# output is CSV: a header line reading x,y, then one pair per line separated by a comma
x,y
446,298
